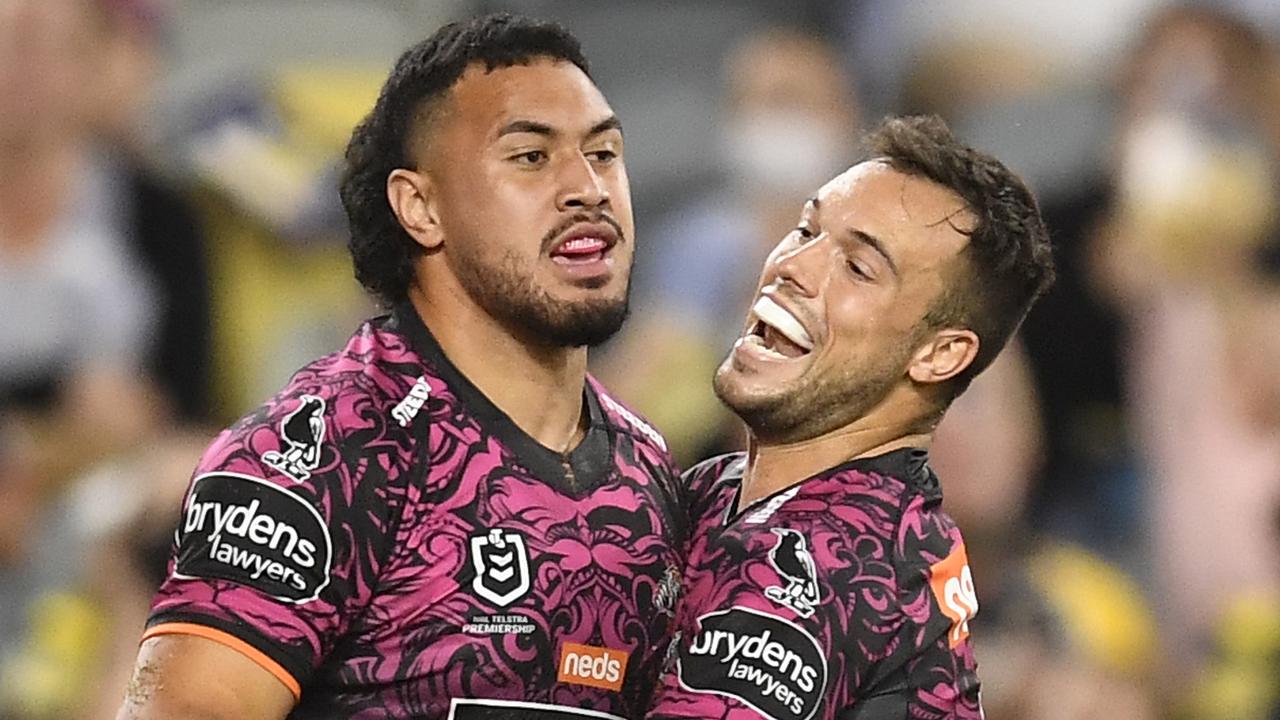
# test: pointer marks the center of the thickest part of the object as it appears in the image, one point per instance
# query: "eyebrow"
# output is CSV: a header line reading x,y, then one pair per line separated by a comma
x,y
532,126
610,123
526,126
876,245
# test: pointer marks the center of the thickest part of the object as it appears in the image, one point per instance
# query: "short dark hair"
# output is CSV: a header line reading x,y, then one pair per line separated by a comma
x,y
381,250
1008,261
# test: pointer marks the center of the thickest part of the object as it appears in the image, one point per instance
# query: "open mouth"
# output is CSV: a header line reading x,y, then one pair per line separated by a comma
x,y
777,333
584,244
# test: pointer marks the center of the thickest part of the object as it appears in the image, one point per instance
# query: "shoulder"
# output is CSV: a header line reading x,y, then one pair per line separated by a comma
x,y
711,486
926,535
331,410
624,419
936,584
323,453
715,472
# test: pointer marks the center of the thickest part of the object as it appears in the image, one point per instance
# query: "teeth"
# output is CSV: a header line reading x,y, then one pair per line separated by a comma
x,y
581,244
760,347
773,314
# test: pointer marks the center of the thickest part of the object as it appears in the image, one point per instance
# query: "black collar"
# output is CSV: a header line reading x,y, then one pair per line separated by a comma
x,y
908,465
589,461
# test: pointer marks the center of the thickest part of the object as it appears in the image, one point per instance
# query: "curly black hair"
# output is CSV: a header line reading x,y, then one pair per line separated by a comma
x,y
1009,260
381,250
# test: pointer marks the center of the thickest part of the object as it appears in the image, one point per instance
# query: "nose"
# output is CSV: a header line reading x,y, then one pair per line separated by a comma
x,y
581,187
806,266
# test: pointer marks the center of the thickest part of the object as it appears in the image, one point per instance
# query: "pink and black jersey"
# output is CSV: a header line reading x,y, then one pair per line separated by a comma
x,y
389,544
846,596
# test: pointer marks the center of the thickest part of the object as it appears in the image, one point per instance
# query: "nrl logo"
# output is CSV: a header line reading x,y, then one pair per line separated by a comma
x,y
794,563
502,566
302,432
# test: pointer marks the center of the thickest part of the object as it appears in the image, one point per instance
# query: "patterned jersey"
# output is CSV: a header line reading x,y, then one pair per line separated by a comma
x,y
389,544
844,596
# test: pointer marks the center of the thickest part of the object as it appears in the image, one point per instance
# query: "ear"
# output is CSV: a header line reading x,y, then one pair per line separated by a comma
x,y
413,199
944,356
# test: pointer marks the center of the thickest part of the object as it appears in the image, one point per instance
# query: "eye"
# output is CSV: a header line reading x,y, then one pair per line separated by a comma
x,y
531,157
603,157
856,268
804,232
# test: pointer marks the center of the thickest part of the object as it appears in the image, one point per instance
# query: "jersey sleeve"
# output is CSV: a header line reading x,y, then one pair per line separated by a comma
x,y
701,489
938,595
284,529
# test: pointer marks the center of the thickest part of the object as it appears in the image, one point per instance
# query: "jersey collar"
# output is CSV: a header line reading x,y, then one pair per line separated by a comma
x,y
589,461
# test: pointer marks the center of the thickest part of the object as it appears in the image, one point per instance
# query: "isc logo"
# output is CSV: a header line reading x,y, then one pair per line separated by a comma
x,y
594,666
952,584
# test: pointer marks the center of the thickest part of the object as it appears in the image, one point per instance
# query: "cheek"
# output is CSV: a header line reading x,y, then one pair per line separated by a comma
x,y
901,311
615,182
494,207
866,327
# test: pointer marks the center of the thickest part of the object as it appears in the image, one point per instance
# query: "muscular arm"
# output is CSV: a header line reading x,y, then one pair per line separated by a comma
x,y
185,677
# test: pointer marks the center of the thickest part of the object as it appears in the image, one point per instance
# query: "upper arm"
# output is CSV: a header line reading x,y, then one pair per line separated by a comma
x,y
186,677
281,538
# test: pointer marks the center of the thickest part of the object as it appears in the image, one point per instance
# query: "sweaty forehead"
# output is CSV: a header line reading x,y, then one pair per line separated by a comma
x,y
553,92
874,198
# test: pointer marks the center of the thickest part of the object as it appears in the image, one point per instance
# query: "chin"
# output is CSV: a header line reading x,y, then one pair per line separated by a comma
x,y
747,399
586,322
599,290
786,412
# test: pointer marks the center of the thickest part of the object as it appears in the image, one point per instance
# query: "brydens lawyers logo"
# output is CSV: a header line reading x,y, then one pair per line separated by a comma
x,y
952,585
246,530
769,663
501,565
594,666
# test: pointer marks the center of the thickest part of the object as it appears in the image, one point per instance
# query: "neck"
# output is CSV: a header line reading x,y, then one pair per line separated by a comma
x,y
776,466
538,386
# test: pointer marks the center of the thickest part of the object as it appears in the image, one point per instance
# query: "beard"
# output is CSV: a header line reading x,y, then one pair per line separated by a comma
x,y
816,404
507,291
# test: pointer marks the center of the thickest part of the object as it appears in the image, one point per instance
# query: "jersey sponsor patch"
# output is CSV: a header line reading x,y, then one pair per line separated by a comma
x,y
794,563
952,584
599,667
243,529
501,566
480,709
301,433
512,624
767,662
407,409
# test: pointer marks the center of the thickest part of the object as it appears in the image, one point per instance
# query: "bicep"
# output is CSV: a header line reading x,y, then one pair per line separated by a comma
x,y
186,677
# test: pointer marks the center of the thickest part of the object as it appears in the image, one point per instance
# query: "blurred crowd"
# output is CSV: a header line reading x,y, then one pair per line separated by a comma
x,y
171,248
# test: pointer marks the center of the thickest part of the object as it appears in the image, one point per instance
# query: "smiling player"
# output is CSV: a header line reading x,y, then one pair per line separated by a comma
x,y
824,581
447,517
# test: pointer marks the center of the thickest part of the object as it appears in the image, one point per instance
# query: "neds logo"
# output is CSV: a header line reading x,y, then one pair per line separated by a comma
x,y
594,666
760,659
241,528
